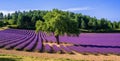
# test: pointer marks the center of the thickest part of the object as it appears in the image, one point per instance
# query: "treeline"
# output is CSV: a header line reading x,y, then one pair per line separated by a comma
x,y
28,19
24,20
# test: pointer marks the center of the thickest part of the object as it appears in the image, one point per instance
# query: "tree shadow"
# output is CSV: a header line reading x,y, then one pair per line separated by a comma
x,y
99,46
7,59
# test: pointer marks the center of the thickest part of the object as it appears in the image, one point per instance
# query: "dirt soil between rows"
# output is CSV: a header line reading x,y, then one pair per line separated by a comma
x,y
89,57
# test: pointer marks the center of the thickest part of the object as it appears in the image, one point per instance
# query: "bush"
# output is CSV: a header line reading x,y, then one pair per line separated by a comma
x,y
12,26
1,24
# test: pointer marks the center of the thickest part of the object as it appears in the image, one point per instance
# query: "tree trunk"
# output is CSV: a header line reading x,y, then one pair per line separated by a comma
x,y
57,39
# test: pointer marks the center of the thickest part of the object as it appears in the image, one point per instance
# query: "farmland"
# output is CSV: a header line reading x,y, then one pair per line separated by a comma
x,y
60,30
85,43
35,56
7,57
29,45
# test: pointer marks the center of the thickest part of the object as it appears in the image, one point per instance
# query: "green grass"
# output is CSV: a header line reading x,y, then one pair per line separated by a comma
x,y
100,31
12,26
4,57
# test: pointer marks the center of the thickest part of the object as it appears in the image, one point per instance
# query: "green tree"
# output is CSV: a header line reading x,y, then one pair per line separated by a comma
x,y
40,26
1,24
104,24
78,18
1,15
27,19
119,25
33,20
11,22
20,20
90,24
94,25
83,24
14,17
9,16
114,25
59,23
109,25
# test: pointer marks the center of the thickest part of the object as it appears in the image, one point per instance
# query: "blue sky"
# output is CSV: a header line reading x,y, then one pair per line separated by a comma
x,y
109,9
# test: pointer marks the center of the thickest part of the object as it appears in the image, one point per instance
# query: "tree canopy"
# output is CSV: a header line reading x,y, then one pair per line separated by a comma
x,y
59,23
28,20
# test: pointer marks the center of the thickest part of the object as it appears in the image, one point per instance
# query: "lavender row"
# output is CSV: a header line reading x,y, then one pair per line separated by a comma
x,y
95,50
93,39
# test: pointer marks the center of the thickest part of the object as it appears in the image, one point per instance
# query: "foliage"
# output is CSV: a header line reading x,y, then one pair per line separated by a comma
x,y
83,24
1,24
28,19
59,23
11,22
1,15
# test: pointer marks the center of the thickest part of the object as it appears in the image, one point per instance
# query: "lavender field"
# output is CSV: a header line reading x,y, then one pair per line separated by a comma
x,y
85,43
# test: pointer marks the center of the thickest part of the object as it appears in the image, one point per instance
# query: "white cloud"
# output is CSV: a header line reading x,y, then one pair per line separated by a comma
x,y
6,12
77,9
69,9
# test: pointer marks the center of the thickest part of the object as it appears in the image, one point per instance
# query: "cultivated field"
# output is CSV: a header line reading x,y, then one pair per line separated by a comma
x,y
86,46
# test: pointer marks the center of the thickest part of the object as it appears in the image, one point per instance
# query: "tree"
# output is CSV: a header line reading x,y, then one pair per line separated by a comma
x,y
1,15
27,19
114,25
119,24
90,24
33,20
20,20
78,18
1,24
86,20
83,24
9,16
104,24
94,25
11,22
14,17
109,25
40,25
59,23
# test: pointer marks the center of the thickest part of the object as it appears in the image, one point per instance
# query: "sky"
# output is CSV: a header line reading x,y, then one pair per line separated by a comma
x,y
109,9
